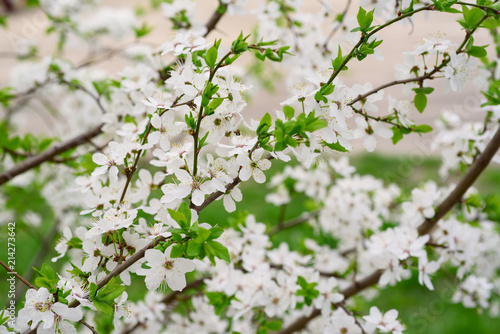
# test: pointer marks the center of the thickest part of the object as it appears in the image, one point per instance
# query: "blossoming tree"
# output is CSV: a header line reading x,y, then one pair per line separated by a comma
x,y
147,149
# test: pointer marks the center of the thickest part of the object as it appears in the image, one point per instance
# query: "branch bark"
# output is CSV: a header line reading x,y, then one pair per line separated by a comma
x,y
214,19
49,154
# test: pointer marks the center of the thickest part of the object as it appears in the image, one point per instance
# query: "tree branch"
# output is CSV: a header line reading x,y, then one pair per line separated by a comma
x,y
17,275
31,286
49,154
214,19
294,222
122,267
426,228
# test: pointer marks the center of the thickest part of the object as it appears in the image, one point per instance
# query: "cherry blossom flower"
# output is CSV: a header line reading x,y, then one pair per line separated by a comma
x,y
254,166
341,323
114,157
41,309
426,268
386,322
188,185
368,131
459,70
184,42
165,270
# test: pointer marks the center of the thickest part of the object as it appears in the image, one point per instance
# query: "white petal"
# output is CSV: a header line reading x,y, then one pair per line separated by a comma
x,y
183,176
370,142
154,256
73,314
229,204
257,154
259,176
156,121
153,281
245,173
176,281
243,160
198,197
236,194
264,164
100,159
164,143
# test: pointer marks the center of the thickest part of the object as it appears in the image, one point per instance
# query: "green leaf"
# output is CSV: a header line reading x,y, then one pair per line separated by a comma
x,y
445,6
104,307
477,51
219,300
178,250
220,250
424,128
194,248
110,291
211,57
364,19
473,17
265,124
180,218
209,251
143,30
427,90
214,104
5,96
397,135
274,325
239,45
361,17
216,232
317,124
92,291
420,101
289,112
338,61
336,147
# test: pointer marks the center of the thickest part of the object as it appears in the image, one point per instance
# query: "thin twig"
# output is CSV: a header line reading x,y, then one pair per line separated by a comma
x,y
19,277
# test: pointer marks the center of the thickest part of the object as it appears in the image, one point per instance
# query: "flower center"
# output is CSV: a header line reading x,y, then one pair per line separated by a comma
x,y
168,264
42,307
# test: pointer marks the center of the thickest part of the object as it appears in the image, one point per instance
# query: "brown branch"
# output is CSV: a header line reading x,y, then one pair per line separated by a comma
x,y
217,194
214,19
465,183
336,28
294,222
426,228
124,266
49,154
31,286
17,275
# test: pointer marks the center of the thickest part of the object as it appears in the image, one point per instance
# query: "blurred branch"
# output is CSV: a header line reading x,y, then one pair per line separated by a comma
x,y
215,18
294,222
49,154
